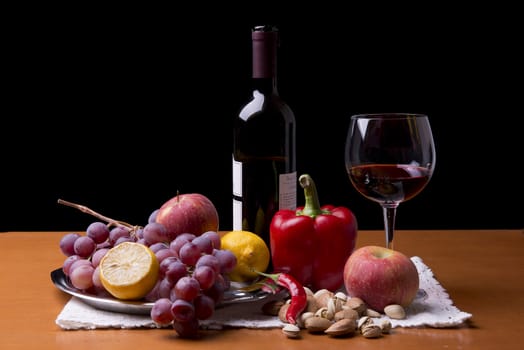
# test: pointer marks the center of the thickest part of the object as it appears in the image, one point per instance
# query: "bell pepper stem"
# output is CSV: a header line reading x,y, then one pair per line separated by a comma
x,y
312,203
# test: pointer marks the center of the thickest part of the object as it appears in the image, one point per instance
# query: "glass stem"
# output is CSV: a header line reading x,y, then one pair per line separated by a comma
x,y
389,224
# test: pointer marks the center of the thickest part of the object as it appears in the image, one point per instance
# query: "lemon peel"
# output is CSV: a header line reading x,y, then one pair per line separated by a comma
x,y
251,251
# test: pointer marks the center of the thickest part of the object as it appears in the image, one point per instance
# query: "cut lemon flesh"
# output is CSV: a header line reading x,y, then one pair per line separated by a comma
x,y
129,271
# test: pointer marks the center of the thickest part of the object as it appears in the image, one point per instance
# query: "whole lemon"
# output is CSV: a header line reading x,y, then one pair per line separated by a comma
x,y
251,251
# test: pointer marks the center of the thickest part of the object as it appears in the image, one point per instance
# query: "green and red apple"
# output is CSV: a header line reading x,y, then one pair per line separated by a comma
x,y
188,213
381,277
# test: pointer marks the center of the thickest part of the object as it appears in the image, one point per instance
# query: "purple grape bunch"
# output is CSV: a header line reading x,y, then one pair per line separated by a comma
x,y
192,277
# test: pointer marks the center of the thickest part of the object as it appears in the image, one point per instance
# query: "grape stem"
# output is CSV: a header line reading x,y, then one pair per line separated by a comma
x,y
111,222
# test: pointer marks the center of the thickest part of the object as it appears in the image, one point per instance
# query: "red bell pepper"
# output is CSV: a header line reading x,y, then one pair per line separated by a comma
x,y
312,243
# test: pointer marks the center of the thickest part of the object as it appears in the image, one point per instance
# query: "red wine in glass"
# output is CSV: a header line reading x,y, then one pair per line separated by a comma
x,y
390,159
385,183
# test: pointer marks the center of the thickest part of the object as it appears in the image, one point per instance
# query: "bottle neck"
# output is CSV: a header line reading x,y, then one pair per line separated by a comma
x,y
265,59
265,85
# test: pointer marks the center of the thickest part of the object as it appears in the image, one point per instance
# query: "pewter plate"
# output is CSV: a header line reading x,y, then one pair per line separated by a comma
x,y
61,281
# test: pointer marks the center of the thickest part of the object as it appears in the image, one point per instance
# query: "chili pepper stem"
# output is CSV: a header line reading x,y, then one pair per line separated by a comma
x,y
272,276
271,287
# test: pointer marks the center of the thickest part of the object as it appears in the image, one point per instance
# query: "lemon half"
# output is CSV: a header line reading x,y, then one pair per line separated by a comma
x,y
251,251
129,270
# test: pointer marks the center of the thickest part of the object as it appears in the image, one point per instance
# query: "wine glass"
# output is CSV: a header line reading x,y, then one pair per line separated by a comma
x,y
390,158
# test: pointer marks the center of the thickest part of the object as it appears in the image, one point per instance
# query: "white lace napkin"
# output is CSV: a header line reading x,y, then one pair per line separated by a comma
x,y
433,308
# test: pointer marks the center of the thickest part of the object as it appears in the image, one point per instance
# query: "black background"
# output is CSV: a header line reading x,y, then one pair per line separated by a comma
x,y
118,109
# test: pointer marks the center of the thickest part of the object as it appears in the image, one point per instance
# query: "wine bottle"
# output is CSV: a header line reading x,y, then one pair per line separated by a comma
x,y
264,159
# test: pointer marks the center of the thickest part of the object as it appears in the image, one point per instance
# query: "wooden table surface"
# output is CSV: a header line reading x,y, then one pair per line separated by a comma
x,y
482,270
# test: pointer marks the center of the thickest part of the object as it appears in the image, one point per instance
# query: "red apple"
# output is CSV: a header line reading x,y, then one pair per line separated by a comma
x,y
381,276
188,213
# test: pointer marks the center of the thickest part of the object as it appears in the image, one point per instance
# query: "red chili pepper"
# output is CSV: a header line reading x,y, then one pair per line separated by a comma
x,y
313,243
296,291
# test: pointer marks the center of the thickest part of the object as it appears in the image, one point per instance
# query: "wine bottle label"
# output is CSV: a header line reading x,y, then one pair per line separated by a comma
x,y
237,215
237,178
287,196
237,195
